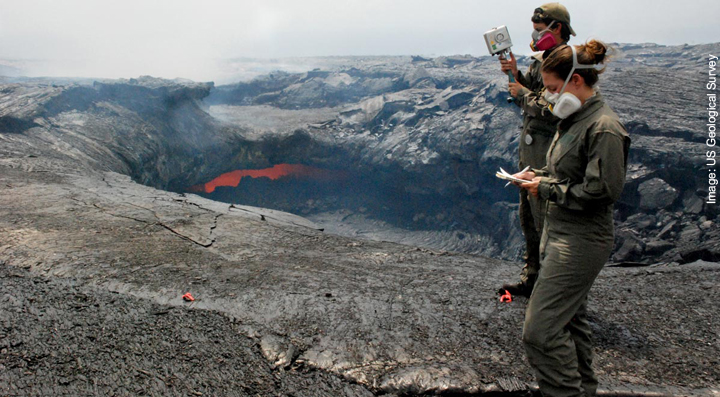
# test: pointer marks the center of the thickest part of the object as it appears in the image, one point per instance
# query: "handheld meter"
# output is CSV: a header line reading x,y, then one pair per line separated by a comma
x,y
498,40
499,43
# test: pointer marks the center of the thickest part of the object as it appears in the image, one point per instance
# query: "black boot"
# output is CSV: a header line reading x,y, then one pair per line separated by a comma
x,y
519,289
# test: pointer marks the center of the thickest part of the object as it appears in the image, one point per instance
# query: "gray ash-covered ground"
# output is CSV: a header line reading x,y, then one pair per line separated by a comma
x,y
59,338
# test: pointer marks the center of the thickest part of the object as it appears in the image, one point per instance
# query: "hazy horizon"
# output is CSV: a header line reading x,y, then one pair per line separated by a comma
x,y
193,40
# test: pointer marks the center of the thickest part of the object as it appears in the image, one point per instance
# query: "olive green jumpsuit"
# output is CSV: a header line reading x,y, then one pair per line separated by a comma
x,y
584,176
538,130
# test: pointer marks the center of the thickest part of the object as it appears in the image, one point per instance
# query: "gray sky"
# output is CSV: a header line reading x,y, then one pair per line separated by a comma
x,y
184,38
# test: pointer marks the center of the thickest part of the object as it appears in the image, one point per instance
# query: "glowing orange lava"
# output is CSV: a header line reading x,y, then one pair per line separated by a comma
x,y
278,171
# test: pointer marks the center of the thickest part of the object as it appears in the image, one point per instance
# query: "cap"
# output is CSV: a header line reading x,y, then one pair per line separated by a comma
x,y
555,11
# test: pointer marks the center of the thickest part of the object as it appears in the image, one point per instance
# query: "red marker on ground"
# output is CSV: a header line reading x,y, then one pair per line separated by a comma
x,y
188,298
506,298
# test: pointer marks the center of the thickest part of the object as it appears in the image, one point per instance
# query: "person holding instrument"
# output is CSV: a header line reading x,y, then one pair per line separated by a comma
x,y
584,176
551,28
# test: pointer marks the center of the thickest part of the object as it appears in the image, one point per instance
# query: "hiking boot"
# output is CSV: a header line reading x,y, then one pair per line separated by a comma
x,y
519,289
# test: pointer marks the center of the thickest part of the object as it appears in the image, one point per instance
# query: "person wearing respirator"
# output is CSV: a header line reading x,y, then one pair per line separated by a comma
x,y
584,176
551,28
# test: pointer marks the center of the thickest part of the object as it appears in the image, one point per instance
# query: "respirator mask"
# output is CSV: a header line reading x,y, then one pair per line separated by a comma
x,y
543,40
563,104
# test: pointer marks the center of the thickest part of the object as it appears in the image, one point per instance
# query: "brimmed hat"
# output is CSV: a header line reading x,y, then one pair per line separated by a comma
x,y
555,11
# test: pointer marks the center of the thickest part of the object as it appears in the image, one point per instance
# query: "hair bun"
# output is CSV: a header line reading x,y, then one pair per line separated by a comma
x,y
596,51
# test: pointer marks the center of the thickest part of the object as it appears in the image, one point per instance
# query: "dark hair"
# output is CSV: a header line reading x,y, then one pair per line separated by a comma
x,y
564,28
560,61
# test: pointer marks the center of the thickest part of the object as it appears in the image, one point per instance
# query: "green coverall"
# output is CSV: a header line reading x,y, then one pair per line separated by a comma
x,y
539,123
584,176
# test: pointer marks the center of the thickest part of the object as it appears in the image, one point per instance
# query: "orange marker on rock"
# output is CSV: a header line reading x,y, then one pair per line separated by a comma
x,y
507,297
188,298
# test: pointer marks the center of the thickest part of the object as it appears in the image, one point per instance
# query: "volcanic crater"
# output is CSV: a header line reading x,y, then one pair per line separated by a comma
x,y
279,204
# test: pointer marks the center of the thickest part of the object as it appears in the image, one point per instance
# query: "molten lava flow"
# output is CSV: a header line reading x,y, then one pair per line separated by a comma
x,y
278,171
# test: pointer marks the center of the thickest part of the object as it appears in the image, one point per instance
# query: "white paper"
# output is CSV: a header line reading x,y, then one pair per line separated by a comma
x,y
502,174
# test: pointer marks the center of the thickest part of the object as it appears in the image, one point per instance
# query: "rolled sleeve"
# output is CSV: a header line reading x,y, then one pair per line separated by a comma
x,y
522,92
545,188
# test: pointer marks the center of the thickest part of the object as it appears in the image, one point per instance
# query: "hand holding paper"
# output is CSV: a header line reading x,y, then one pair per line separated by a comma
x,y
502,174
